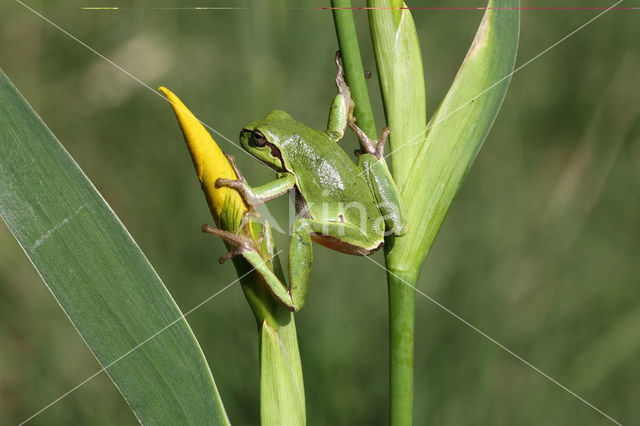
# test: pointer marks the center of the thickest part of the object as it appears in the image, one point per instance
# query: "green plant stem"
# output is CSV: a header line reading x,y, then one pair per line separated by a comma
x,y
354,71
401,333
282,399
401,296
281,381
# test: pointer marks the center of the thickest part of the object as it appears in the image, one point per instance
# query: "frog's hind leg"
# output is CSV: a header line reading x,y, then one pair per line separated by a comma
x,y
239,243
244,246
334,235
368,145
371,161
385,192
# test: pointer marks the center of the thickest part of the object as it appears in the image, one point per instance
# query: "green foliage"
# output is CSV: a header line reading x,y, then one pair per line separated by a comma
x,y
429,170
439,161
281,384
281,390
99,276
539,248
399,62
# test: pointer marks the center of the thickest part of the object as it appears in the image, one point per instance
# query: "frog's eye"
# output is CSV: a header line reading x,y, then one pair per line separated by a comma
x,y
259,139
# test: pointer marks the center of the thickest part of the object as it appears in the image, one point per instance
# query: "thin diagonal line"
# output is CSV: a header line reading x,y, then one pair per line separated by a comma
x,y
472,8
130,351
231,8
413,141
124,71
497,343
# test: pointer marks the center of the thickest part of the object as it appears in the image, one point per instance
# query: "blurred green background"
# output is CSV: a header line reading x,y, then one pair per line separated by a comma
x,y
540,249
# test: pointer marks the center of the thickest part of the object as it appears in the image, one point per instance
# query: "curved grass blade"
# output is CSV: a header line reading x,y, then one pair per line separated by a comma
x,y
399,64
98,274
430,169
456,132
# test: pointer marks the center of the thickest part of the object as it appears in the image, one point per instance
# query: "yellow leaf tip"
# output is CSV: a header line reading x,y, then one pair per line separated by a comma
x,y
208,159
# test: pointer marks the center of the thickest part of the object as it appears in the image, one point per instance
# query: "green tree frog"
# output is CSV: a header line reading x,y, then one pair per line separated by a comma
x,y
341,205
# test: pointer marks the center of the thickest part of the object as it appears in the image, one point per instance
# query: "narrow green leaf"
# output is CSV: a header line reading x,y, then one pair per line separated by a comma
x,y
399,63
99,276
281,388
456,132
430,169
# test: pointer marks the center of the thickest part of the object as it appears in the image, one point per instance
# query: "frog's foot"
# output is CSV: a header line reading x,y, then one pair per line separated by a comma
x,y
234,166
250,199
343,88
240,243
368,145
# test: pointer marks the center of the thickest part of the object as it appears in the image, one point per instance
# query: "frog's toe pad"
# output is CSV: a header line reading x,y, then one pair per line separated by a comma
x,y
231,254
229,183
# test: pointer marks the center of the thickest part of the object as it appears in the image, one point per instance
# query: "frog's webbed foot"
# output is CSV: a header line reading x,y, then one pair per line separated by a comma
x,y
250,199
238,242
343,88
234,166
368,145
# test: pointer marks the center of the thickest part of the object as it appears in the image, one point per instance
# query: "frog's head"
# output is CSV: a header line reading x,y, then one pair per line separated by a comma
x,y
262,138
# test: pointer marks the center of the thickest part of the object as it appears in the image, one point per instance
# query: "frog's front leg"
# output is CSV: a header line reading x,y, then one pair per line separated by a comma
x,y
253,197
342,106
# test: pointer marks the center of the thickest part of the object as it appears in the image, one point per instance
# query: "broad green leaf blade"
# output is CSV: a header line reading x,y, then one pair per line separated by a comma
x,y
99,276
456,132
399,63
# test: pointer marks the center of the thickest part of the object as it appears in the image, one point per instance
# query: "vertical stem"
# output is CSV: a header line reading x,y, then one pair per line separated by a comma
x,y
401,296
354,71
282,399
401,333
399,64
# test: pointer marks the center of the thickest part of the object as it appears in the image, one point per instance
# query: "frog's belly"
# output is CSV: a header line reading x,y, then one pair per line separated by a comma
x,y
342,246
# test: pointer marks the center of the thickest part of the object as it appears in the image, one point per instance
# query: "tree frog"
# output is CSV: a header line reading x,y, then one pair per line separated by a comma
x,y
341,205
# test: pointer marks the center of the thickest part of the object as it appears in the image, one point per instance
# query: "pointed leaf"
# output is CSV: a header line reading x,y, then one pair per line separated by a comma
x,y
456,132
399,64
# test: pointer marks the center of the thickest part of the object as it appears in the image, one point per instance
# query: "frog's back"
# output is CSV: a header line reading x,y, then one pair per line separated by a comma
x,y
333,186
